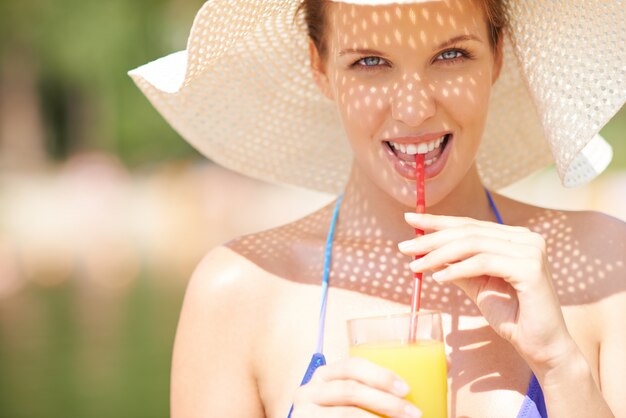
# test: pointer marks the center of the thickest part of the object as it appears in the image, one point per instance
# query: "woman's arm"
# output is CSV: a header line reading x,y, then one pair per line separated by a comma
x,y
212,374
569,389
568,385
603,241
612,368
612,311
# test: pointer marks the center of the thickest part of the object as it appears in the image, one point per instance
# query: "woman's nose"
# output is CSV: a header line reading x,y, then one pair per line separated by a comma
x,y
412,100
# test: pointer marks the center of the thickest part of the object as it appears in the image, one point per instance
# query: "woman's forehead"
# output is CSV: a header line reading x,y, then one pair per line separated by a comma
x,y
425,23
384,2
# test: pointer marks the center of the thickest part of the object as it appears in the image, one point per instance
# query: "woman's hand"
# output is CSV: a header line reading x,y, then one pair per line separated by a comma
x,y
504,270
351,388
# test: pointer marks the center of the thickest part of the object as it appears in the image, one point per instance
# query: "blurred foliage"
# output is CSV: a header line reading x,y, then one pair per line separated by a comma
x,y
82,50
615,133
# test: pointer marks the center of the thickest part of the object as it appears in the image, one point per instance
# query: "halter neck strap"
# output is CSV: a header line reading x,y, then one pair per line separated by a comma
x,y
327,259
327,256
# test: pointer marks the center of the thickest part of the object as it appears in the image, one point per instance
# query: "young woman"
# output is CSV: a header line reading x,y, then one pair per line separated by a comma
x,y
533,302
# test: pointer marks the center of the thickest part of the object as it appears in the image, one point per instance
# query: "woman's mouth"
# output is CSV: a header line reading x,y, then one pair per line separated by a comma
x,y
435,155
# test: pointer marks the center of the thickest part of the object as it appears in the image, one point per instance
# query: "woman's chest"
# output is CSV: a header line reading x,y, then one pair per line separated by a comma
x,y
486,377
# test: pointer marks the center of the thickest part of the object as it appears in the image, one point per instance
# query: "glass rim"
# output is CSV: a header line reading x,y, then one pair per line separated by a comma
x,y
421,312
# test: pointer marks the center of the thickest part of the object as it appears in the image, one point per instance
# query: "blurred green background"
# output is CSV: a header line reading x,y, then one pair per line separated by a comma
x,y
104,210
69,348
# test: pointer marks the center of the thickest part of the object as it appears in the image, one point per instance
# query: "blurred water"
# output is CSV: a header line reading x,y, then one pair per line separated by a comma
x,y
74,351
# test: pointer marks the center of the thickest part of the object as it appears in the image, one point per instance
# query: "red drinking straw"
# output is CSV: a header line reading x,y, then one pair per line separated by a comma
x,y
420,207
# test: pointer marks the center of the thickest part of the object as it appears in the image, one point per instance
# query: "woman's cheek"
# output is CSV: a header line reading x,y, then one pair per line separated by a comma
x,y
361,109
466,98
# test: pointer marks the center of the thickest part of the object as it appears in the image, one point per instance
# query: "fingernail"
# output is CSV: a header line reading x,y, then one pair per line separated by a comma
x,y
416,264
412,412
401,388
439,275
412,216
404,245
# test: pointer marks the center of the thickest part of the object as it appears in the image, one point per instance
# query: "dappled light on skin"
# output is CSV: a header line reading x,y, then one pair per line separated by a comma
x,y
407,87
575,273
364,260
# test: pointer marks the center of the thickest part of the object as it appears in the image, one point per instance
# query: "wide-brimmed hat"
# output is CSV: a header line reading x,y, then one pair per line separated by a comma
x,y
242,93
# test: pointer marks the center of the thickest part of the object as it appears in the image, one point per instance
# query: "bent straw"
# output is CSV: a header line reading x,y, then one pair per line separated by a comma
x,y
420,207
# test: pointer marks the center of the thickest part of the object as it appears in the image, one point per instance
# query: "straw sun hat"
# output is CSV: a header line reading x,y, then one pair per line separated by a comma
x,y
242,92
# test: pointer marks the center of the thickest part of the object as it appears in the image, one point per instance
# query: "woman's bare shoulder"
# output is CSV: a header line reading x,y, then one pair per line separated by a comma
x,y
586,249
575,233
227,314
223,273
216,333
293,251
598,248
589,238
595,246
244,266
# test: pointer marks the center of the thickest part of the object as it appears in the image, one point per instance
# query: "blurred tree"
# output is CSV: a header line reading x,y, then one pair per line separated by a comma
x,y
80,51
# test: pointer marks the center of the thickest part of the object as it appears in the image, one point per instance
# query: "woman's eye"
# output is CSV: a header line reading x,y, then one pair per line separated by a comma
x,y
453,55
369,62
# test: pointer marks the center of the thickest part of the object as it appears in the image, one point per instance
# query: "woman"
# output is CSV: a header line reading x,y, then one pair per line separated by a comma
x,y
541,296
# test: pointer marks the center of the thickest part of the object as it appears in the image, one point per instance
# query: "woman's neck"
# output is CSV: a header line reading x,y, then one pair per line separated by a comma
x,y
367,211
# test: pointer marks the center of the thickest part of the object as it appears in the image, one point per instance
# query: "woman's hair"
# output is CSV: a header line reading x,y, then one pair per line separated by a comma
x,y
315,18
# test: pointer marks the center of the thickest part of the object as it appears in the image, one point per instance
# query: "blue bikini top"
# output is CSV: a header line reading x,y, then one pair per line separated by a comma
x,y
534,403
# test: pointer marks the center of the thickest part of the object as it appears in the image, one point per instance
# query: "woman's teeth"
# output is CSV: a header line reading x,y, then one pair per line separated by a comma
x,y
423,148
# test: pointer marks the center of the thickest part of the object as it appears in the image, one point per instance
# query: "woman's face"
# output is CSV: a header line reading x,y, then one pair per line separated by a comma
x,y
407,77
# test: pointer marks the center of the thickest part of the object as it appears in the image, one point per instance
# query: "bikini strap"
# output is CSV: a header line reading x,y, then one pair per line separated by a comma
x,y
327,256
494,208
318,358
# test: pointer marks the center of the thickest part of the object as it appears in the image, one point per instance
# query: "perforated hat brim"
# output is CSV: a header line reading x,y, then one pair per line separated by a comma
x,y
561,82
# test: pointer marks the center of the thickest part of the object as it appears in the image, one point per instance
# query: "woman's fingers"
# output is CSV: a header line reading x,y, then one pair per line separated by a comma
x,y
354,383
352,393
438,222
454,251
316,411
507,268
429,242
363,371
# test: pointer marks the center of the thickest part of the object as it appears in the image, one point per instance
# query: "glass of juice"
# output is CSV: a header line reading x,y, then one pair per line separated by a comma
x,y
421,362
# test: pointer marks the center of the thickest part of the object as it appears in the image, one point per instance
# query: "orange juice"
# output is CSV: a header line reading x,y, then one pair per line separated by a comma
x,y
422,365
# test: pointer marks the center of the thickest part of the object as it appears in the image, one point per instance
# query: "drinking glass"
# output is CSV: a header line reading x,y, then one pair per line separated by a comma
x,y
420,361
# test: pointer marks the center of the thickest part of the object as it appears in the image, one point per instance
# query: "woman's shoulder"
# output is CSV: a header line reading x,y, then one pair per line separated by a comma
x,y
292,252
223,278
581,235
586,250
221,321
573,232
604,236
590,252
593,250
250,263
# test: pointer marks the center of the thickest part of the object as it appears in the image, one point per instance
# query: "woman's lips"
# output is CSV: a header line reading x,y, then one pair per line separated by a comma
x,y
406,170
